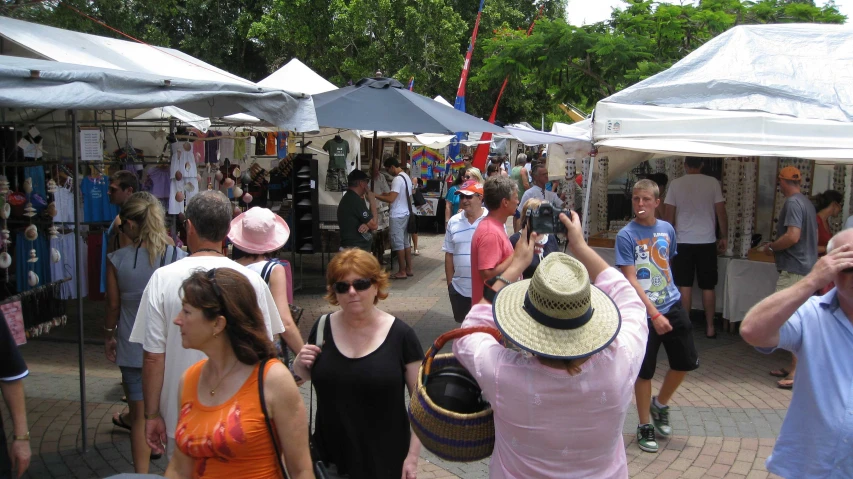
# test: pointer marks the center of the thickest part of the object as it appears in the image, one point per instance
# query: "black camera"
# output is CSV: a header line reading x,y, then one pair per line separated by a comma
x,y
546,219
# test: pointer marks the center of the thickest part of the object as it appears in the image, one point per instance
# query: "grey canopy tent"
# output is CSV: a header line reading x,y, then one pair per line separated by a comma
x,y
27,83
383,104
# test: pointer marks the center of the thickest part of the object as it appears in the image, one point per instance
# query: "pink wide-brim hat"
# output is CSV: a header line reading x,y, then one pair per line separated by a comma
x,y
259,231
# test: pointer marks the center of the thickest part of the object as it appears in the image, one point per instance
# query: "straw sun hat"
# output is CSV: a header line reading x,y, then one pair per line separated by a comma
x,y
557,314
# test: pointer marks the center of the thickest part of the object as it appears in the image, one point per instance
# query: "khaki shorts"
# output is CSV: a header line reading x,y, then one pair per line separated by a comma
x,y
786,280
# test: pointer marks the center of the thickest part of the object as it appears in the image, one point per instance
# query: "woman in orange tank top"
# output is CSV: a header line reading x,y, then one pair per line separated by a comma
x,y
222,432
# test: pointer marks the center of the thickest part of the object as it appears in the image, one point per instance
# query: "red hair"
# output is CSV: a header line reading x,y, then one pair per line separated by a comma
x,y
360,262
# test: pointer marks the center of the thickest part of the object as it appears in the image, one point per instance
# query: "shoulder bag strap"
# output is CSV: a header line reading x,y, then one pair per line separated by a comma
x,y
273,435
321,329
267,271
406,189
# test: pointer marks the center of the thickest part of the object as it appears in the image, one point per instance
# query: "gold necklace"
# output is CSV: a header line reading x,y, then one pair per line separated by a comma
x,y
213,390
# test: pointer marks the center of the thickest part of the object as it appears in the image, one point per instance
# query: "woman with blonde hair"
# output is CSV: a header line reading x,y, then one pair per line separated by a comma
x,y
474,174
360,372
240,411
128,271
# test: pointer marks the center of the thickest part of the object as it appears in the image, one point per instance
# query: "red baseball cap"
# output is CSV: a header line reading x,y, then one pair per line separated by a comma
x,y
470,188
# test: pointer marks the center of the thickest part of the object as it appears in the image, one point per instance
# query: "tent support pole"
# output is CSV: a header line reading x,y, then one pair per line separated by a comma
x,y
588,194
76,155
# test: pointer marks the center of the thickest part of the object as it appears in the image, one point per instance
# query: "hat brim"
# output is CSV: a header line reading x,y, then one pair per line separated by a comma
x,y
274,241
517,326
466,193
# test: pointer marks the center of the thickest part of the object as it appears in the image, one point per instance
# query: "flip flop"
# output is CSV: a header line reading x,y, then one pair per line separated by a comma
x,y
399,277
789,384
779,373
410,274
155,455
118,421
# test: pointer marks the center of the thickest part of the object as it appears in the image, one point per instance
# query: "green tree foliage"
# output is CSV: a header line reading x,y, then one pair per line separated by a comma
x,y
216,31
581,65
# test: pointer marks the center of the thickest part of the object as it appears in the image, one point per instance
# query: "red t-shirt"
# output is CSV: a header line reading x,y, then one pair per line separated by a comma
x,y
490,246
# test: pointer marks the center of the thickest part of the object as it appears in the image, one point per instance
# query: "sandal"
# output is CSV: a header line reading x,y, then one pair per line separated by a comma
x,y
785,383
155,455
118,421
399,277
780,373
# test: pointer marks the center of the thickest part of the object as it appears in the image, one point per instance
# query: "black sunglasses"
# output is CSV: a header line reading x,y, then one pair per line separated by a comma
x,y
342,287
211,276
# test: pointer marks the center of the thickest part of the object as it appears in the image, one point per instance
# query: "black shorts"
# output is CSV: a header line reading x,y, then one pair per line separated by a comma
x,y
678,344
695,260
461,305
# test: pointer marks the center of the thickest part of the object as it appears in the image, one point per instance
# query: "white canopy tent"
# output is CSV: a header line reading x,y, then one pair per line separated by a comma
x,y
32,40
757,90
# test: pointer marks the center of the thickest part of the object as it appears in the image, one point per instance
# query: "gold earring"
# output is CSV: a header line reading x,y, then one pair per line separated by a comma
x,y
215,334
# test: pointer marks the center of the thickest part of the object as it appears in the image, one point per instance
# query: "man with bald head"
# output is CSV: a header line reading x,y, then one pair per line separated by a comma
x,y
816,439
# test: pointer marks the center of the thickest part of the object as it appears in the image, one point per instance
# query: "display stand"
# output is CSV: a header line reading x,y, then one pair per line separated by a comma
x,y
306,220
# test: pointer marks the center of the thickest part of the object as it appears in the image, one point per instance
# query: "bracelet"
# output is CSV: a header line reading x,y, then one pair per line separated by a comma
x,y
109,330
501,278
23,437
152,416
657,316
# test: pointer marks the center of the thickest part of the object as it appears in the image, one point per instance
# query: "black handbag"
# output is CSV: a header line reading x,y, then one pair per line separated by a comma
x,y
320,471
412,226
418,197
272,433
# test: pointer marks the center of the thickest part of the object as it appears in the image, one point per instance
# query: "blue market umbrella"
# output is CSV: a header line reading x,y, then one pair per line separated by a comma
x,y
384,104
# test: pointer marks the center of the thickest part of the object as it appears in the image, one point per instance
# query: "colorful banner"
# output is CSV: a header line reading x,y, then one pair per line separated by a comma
x,y
459,104
427,163
482,153
412,84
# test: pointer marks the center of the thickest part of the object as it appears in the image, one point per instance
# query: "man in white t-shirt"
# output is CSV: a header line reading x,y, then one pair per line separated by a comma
x,y
457,247
399,197
164,359
694,206
537,190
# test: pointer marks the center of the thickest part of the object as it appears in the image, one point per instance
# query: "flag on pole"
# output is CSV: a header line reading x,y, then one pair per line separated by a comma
x,y
459,104
482,153
412,84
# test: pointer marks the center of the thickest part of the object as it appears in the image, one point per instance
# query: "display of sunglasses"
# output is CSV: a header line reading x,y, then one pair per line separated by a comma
x,y
342,287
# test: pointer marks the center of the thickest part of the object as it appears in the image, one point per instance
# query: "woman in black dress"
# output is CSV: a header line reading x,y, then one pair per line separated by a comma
x,y
361,371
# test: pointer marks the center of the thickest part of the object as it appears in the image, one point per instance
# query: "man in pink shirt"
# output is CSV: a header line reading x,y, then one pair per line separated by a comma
x,y
559,403
491,251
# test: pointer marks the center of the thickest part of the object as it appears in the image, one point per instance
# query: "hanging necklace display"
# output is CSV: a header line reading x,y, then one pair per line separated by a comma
x,y
52,232
5,234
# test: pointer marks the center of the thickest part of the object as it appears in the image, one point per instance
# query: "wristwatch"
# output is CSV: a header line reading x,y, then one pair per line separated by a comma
x,y
23,437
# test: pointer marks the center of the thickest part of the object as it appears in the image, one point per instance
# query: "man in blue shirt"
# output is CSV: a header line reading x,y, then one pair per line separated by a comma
x,y
816,440
644,250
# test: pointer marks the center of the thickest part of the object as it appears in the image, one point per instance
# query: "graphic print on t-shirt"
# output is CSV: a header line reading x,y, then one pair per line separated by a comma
x,y
651,260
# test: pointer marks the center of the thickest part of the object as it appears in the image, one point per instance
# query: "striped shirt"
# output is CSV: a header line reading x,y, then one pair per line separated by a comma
x,y
457,241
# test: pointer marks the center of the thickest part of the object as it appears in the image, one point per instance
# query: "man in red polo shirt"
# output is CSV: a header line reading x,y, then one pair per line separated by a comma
x,y
491,251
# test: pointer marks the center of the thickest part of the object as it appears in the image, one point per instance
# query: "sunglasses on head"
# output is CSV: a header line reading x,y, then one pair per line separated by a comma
x,y
342,287
211,276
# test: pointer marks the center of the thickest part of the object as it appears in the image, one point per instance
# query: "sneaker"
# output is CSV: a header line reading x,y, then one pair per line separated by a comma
x,y
660,418
646,438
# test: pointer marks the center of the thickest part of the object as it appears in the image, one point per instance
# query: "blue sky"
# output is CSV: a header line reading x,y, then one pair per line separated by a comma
x,y
582,12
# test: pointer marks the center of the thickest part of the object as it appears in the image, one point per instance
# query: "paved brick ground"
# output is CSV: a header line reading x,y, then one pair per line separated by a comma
x,y
725,416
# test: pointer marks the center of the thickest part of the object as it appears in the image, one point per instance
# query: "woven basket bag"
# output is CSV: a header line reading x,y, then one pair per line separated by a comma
x,y
447,434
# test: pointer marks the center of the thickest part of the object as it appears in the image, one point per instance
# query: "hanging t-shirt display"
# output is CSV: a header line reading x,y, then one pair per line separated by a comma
x,y
96,202
199,147
211,147
226,148
183,175
240,146
270,149
260,144
281,149
338,150
157,182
